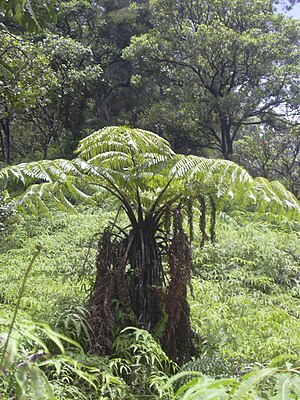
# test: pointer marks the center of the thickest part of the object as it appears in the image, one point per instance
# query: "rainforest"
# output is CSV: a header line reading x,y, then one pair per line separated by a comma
x,y
149,200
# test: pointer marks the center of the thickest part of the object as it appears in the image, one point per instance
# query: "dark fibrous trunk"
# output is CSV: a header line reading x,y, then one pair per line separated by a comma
x,y
130,271
145,278
5,140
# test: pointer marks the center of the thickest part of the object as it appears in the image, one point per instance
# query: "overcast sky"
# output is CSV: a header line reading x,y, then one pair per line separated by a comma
x,y
295,12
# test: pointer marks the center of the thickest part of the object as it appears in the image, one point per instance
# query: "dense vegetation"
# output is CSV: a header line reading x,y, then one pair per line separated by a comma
x,y
149,266
244,305
136,300
159,66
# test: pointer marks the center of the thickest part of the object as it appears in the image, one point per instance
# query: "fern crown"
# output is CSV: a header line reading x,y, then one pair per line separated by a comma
x,y
137,167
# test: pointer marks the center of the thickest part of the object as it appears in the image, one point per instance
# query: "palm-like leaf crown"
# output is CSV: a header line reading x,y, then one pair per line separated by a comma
x,y
141,170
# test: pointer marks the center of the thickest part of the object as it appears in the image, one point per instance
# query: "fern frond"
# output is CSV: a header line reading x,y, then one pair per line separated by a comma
x,y
295,381
283,386
250,381
274,196
135,166
204,388
122,139
37,171
180,375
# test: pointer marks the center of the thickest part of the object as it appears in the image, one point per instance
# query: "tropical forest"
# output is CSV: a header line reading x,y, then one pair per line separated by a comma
x,y
149,199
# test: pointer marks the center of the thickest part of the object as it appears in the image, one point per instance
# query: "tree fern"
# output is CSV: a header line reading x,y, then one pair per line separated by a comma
x,y
152,184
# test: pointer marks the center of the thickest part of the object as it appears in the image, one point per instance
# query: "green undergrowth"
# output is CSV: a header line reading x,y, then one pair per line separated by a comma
x,y
245,305
246,295
62,275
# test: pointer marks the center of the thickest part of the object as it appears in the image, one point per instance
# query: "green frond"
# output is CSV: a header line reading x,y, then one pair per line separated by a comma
x,y
181,375
286,197
225,180
122,139
38,197
274,196
221,179
199,386
76,193
111,159
37,171
295,381
283,386
250,381
135,166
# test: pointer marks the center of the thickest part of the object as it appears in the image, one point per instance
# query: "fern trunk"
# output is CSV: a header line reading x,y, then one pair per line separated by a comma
x,y
130,272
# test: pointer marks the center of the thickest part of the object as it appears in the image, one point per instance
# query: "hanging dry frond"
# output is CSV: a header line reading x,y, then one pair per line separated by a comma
x,y
178,336
213,214
190,218
109,286
202,221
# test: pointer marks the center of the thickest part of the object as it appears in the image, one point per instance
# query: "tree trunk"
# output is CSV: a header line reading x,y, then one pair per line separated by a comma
x,y
5,141
130,272
145,279
226,139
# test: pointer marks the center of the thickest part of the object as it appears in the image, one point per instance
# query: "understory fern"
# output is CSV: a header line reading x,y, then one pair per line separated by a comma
x,y
259,384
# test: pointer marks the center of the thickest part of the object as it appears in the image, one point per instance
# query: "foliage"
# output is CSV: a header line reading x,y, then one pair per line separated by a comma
x,y
229,83
141,171
149,95
245,289
151,184
141,362
272,152
26,346
248,387
67,266
38,366
241,325
24,76
63,105
248,288
33,15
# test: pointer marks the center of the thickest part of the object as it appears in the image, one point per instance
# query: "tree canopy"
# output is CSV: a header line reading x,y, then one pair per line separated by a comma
x,y
237,60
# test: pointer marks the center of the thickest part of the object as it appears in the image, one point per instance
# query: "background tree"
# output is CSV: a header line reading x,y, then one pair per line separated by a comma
x,y
237,60
107,29
85,39
246,75
32,15
286,4
63,107
272,152
24,76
